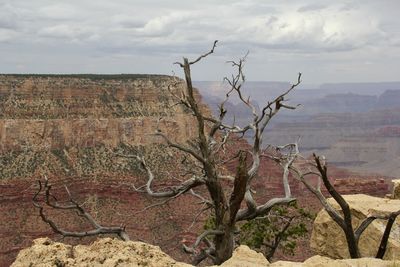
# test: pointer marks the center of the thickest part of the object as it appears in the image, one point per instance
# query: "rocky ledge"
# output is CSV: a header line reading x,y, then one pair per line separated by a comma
x,y
112,252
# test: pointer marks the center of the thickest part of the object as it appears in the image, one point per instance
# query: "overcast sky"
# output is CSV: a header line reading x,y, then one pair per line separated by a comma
x,y
328,41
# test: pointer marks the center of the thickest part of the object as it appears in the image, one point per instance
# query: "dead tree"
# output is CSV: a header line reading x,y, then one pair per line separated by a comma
x,y
318,168
44,191
227,206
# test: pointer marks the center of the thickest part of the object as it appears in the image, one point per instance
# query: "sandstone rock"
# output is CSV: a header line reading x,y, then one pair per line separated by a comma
x,y
112,252
286,264
396,189
244,256
328,238
103,252
44,252
320,261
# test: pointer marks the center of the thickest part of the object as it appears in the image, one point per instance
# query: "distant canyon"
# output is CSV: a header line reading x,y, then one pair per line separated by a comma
x,y
355,125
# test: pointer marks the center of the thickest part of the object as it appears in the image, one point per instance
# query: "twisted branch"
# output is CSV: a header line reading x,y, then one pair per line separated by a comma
x,y
51,201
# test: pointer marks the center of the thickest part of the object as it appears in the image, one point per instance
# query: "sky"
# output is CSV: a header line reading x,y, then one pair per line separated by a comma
x,y
328,41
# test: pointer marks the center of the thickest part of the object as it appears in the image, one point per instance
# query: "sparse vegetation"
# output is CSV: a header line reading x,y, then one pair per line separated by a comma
x,y
280,229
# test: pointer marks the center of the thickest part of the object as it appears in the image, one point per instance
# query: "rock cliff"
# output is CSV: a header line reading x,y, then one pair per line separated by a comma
x,y
67,127
65,111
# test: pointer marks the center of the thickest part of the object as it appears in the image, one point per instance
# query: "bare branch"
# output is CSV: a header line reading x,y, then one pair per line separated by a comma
x,y
180,147
203,200
317,192
201,56
236,83
206,54
202,210
382,246
263,209
363,226
267,116
98,229
286,162
201,238
174,192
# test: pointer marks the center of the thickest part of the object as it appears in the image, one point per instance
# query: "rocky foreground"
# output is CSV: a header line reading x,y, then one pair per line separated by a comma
x,y
112,252
328,239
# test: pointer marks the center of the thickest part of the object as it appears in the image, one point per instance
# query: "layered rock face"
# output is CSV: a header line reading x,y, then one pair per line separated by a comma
x,y
65,111
328,239
67,128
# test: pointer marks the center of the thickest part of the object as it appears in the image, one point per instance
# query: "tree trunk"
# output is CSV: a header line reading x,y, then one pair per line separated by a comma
x,y
351,243
224,245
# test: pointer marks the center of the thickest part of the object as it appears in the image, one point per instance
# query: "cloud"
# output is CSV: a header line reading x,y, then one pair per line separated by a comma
x,y
312,7
7,35
269,25
59,11
8,18
304,29
305,32
163,25
126,21
65,31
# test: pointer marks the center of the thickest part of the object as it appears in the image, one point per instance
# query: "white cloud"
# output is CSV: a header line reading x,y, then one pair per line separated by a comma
x,y
70,32
312,7
7,35
163,25
59,11
126,21
303,30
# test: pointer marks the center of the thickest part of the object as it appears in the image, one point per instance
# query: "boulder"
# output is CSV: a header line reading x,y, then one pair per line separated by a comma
x,y
244,256
328,239
396,189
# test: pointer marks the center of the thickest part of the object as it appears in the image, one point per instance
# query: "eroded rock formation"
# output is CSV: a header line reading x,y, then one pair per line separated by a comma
x,y
396,189
109,252
328,239
64,111
104,252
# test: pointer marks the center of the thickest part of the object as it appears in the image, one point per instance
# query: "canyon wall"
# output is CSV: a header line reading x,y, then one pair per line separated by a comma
x,y
66,111
69,129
